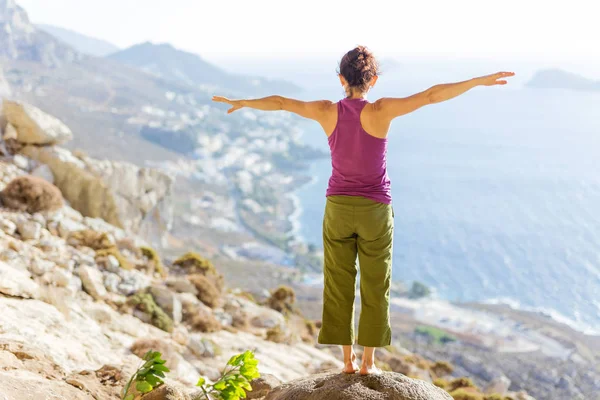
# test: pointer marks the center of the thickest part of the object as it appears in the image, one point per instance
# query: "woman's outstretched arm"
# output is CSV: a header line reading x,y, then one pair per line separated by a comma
x,y
394,107
307,109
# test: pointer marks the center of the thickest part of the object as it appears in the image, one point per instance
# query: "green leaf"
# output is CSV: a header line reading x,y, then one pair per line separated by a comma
x,y
143,387
160,367
153,380
158,373
129,397
219,385
201,381
147,355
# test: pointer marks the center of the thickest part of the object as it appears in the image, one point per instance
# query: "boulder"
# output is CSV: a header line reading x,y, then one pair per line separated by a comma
x,y
262,386
10,133
167,392
17,282
24,385
339,386
168,301
31,194
120,193
35,126
92,282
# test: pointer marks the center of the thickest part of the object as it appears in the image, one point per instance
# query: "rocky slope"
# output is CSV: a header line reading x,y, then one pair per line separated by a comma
x,y
83,299
559,79
82,43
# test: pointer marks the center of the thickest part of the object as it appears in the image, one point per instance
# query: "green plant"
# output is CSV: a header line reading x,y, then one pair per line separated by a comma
x,y
144,302
235,380
154,258
418,291
465,394
148,376
460,383
436,335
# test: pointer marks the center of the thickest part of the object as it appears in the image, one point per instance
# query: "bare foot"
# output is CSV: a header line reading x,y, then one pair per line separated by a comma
x,y
351,367
366,369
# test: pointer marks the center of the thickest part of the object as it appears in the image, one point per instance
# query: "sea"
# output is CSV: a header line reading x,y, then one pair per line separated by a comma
x,y
496,193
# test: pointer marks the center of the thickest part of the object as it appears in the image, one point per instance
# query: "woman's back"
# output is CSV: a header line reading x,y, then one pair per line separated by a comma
x,y
359,159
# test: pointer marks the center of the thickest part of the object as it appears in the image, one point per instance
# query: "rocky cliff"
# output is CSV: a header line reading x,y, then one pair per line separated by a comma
x,y
20,40
120,193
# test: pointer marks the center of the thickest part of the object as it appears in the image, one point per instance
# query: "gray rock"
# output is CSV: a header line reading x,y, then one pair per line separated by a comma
x,y
17,282
39,267
339,386
223,317
262,386
43,171
498,385
181,285
168,301
29,230
111,282
60,277
91,279
8,227
35,126
21,162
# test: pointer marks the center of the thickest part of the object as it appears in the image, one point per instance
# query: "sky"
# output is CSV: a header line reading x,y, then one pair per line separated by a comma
x,y
541,29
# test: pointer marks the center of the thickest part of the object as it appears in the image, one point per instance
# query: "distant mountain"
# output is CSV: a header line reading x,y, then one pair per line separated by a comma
x,y
80,42
559,79
20,40
163,60
4,86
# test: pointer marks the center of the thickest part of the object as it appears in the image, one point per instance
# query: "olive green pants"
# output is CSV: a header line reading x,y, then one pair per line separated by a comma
x,y
355,226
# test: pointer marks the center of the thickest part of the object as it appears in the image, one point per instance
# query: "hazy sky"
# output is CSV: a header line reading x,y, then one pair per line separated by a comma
x,y
547,29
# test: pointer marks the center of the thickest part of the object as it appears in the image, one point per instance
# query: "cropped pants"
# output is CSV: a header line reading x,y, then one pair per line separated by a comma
x,y
355,226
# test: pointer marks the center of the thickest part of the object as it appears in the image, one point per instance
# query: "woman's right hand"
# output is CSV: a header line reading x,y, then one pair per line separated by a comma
x,y
494,79
235,104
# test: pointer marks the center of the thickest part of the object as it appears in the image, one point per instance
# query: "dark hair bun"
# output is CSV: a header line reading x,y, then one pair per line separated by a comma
x,y
359,67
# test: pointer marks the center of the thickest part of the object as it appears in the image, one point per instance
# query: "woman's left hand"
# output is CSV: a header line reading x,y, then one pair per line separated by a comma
x,y
235,104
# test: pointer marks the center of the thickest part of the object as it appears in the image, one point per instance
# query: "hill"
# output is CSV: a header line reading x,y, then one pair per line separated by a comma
x,y
80,42
165,61
560,79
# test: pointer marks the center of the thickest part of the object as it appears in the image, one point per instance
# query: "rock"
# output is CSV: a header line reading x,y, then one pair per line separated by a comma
x,y
39,267
498,385
24,385
60,277
116,192
201,347
181,285
43,171
91,279
104,383
17,282
35,126
8,227
168,302
181,335
339,386
167,392
10,132
166,349
262,386
111,282
21,162
29,230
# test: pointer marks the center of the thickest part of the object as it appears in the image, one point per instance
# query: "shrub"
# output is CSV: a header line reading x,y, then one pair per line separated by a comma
x,y
441,368
194,263
418,290
441,383
465,394
208,293
200,320
420,362
144,302
235,379
282,299
31,194
114,251
277,335
494,396
459,383
90,238
154,259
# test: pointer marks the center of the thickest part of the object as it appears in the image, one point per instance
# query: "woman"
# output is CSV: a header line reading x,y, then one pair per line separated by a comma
x,y
359,218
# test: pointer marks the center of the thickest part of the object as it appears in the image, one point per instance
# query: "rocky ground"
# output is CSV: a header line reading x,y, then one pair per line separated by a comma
x,y
83,299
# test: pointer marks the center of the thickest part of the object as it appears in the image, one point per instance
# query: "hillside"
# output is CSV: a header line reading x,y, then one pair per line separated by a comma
x,y
166,61
559,79
80,42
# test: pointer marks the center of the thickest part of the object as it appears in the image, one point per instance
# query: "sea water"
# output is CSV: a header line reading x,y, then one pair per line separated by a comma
x,y
496,197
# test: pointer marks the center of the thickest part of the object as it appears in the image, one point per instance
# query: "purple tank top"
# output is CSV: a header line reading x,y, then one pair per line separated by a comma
x,y
358,160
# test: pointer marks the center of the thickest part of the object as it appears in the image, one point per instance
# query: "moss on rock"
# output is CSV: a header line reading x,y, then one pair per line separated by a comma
x,y
154,259
144,302
115,252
